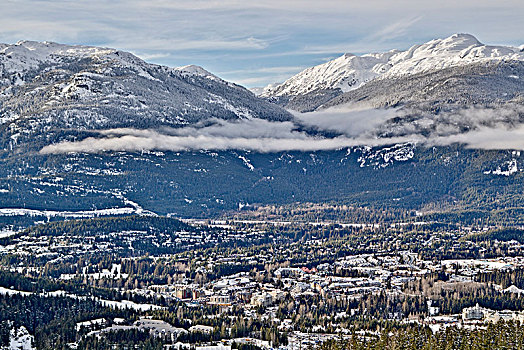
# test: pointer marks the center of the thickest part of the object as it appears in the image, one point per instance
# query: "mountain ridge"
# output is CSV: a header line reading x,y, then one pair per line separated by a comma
x,y
349,72
53,93
46,88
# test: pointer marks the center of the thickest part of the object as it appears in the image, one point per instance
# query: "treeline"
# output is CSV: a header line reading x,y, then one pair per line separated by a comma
x,y
315,212
105,225
479,217
453,297
20,282
229,325
503,278
363,313
121,340
506,234
502,335
43,285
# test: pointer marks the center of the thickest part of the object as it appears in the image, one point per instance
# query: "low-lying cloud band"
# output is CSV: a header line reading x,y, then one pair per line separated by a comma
x,y
353,127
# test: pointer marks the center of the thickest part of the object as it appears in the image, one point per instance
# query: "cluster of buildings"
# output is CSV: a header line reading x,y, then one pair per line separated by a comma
x,y
260,291
477,313
348,277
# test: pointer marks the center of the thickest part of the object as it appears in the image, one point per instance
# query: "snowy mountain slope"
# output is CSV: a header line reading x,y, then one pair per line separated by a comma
x,y
456,50
349,72
440,103
193,70
48,87
466,86
346,73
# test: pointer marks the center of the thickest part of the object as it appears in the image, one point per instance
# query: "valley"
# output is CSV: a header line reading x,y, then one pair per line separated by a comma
x,y
372,201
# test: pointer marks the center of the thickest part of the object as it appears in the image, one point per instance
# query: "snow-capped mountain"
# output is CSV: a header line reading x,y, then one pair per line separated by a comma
x,y
346,72
350,72
45,87
51,93
456,50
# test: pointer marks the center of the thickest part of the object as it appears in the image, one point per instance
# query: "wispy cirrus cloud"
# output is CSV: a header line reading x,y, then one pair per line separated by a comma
x,y
394,30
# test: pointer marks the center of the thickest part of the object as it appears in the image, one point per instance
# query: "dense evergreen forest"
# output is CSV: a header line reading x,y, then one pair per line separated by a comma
x,y
502,335
208,184
105,225
507,234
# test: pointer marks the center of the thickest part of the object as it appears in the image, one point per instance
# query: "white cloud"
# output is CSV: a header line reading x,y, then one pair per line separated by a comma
x,y
486,138
348,121
489,129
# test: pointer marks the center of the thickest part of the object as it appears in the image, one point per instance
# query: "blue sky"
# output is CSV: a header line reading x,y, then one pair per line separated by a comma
x,y
256,42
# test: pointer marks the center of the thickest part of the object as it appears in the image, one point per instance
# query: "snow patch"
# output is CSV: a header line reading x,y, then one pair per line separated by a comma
x,y
247,163
505,169
383,157
513,289
68,214
20,339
